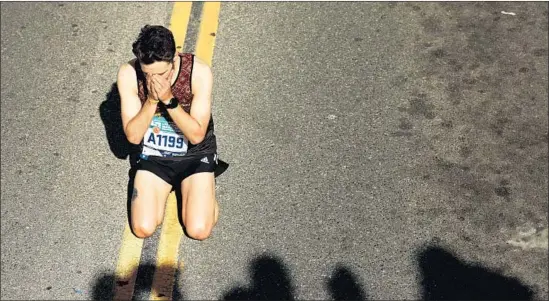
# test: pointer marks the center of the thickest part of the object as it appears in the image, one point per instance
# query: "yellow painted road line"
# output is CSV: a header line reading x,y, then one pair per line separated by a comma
x,y
167,253
181,14
170,237
130,251
208,30
128,262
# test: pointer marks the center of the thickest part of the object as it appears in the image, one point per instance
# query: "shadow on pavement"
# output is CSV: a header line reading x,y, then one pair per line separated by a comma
x,y
343,285
446,277
109,110
270,280
106,286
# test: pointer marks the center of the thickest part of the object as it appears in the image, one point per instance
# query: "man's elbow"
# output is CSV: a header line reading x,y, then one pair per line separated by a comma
x,y
133,139
197,138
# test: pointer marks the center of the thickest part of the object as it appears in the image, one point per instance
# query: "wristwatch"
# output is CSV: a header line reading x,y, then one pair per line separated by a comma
x,y
172,104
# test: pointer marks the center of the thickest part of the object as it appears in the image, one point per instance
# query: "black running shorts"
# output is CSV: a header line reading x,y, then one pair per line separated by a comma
x,y
173,171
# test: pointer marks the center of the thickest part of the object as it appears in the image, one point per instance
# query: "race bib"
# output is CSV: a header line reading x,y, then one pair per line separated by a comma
x,y
164,139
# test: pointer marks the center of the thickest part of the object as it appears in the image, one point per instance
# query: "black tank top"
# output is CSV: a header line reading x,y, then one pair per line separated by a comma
x,y
181,89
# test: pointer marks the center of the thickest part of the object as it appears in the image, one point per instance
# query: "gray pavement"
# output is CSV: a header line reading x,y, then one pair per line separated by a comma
x,y
377,150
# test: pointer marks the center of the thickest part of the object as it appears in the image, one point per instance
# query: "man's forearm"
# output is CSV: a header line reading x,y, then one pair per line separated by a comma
x,y
187,124
136,128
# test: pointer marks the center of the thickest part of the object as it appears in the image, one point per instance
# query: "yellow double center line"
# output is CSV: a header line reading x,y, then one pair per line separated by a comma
x,y
170,237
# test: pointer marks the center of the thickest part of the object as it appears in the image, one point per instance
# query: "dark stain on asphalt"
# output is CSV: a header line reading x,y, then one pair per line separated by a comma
x,y
454,93
438,53
420,106
432,25
399,80
456,66
465,151
499,125
502,191
447,124
470,81
401,134
405,124
540,52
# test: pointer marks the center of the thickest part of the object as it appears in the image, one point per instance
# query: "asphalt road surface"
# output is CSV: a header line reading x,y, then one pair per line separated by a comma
x,y
376,150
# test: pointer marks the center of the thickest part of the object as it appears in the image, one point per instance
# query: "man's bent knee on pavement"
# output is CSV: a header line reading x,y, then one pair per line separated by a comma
x,y
166,109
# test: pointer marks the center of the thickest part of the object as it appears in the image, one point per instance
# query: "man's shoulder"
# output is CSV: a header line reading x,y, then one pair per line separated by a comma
x,y
199,61
128,67
201,68
127,76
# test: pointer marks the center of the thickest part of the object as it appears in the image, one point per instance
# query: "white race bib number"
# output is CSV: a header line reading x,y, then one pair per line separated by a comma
x,y
164,139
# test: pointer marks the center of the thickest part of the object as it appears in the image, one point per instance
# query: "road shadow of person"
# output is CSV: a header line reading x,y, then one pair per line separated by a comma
x,y
107,287
445,277
344,285
270,280
110,112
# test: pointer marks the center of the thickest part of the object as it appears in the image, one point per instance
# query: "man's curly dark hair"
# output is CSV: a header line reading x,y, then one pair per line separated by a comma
x,y
155,43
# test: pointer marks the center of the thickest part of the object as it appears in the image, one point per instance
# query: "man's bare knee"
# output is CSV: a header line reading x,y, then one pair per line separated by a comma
x,y
143,229
198,231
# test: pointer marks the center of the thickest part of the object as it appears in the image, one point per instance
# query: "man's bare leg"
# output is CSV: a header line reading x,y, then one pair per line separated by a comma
x,y
148,203
200,209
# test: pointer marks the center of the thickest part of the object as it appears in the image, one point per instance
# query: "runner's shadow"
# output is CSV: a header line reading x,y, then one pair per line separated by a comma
x,y
106,285
270,280
110,112
111,116
344,285
446,277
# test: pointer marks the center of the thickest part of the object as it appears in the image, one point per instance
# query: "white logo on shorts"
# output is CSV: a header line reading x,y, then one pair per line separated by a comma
x,y
205,160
